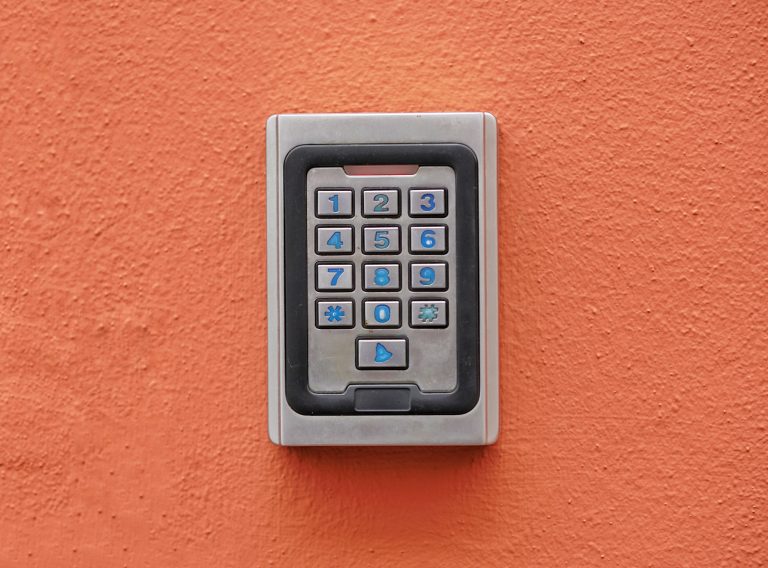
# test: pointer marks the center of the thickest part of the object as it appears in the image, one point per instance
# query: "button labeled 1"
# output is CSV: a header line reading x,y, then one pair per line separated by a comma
x,y
430,239
382,353
333,203
330,277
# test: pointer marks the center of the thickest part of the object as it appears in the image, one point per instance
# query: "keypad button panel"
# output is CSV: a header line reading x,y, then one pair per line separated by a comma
x,y
381,279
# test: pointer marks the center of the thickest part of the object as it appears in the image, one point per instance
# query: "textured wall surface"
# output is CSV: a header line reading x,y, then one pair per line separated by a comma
x,y
634,291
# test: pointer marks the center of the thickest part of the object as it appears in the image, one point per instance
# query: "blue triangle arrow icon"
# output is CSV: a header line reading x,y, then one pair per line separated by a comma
x,y
382,355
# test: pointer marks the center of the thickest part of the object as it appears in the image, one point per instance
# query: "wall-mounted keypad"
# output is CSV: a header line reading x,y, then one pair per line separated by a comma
x,y
382,287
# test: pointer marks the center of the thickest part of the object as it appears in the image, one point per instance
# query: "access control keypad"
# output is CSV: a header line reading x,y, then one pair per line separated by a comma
x,y
380,279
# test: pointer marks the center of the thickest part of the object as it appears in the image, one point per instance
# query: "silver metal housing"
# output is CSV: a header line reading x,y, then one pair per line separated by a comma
x,y
475,130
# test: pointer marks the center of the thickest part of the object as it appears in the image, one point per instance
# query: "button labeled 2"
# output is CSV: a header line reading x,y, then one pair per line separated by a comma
x,y
383,202
334,277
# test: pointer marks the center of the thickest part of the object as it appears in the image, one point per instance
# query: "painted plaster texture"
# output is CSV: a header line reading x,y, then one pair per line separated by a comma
x,y
634,277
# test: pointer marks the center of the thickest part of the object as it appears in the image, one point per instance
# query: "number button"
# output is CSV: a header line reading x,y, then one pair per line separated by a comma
x,y
427,202
429,313
381,240
335,313
429,276
381,276
334,277
429,240
381,202
334,239
333,203
381,313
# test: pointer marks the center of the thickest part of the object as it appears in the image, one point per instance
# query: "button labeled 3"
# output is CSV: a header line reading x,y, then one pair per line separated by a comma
x,y
382,353
427,202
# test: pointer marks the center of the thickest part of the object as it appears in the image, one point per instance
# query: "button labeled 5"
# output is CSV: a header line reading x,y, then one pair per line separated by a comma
x,y
381,240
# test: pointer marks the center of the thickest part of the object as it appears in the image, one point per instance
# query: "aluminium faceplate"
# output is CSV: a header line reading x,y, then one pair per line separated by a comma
x,y
480,424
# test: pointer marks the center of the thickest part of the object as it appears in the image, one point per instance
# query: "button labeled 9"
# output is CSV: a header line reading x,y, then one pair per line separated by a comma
x,y
429,276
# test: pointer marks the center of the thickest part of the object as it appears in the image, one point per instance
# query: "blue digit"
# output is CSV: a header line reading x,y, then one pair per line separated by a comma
x,y
337,272
427,238
427,276
335,240
381,199
382,313
430,204
380,239
381,276
335,200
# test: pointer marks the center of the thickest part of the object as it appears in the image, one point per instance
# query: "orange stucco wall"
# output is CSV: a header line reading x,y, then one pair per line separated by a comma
x,y
634,291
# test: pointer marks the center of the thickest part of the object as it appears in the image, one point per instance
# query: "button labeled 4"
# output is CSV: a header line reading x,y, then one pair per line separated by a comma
x,y
332,239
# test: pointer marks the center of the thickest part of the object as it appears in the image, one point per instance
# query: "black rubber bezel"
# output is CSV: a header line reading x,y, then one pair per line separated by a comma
x,y
467,317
